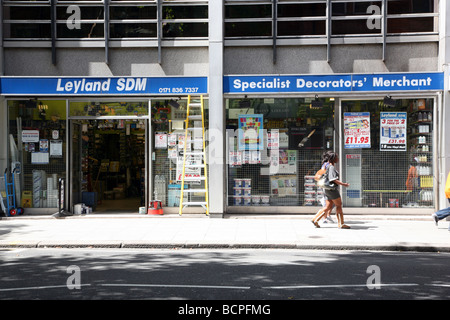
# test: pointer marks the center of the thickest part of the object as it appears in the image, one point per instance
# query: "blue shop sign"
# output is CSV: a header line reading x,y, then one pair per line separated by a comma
x,y
335,83
103,86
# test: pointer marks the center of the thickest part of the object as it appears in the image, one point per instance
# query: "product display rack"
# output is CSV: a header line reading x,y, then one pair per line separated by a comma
x,y
421,150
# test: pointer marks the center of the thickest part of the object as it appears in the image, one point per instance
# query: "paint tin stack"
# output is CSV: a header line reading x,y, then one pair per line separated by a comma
x,y
242,192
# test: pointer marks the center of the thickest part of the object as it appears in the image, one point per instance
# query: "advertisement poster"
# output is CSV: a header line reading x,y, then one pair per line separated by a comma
x,y
189,172
356,130
235,159
283,185
161,141
30,136
393,131
273,139
250,136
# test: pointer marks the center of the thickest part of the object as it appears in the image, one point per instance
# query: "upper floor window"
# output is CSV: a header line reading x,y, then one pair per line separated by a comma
x,y
87,19
189,21
306,18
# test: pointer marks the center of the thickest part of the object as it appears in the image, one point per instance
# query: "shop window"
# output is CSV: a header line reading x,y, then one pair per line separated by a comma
x,y
274,148
168,124
400,136
37,131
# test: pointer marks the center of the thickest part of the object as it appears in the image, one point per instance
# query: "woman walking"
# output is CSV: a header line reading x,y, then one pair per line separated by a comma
x,y
327,215
333,197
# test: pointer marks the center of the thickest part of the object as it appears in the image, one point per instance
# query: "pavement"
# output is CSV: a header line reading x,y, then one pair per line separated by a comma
x,y
374,232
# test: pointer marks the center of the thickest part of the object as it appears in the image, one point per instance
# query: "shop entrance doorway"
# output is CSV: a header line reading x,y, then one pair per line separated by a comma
x,y
108,170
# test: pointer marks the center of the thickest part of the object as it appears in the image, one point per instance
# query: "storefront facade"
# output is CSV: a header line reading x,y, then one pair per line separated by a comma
x,y
103,143
283,81
382,126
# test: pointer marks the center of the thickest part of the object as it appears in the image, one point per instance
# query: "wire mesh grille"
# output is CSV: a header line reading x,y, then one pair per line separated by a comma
x,y
294,135
41,163
390,178
167,165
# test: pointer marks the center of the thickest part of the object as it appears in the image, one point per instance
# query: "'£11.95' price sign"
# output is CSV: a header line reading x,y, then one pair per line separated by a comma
x,y
356,130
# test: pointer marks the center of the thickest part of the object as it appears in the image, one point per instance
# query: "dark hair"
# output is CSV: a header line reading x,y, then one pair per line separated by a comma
x,y
324,157
330,156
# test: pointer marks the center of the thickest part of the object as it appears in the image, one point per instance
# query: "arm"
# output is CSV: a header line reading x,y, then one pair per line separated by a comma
x,y
334,177
344,184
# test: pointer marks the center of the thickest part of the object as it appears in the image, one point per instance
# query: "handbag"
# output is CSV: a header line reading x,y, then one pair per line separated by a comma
x,y
325,183
319,174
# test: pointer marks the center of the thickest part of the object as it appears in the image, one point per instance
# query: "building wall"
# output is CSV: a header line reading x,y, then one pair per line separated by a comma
x,y
123,62
402,57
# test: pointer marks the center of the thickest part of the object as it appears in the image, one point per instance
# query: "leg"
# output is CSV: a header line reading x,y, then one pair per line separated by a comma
x,y
321,213
340,214
443,213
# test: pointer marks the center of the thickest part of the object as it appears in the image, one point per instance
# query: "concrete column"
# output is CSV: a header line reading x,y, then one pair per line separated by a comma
x,y
444,116
217,166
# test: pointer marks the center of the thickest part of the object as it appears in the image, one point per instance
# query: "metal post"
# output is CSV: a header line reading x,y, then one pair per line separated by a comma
x,y
53,29
159,28
328,28
2,59
274,30
384,26
106,30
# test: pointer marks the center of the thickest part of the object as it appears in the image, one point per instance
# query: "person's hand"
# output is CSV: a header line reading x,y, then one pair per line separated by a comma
x,y
346,184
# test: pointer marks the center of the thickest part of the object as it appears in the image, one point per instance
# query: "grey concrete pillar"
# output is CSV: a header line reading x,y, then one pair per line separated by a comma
x,y
217,166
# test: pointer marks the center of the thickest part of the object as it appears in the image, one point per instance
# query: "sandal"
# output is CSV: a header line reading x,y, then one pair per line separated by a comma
x,y
344,226
315,224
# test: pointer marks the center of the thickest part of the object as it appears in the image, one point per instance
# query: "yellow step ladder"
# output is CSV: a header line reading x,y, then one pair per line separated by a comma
x,y
194,159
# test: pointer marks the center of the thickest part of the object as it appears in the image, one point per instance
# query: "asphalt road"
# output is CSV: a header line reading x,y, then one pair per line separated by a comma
x,y
226,275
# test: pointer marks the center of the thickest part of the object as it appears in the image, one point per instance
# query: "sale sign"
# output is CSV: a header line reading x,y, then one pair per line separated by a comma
x,y
356,130
393,131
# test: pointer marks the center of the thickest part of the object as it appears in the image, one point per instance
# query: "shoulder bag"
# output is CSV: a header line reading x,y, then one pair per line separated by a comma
x,y
326,184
